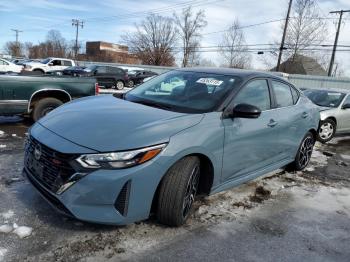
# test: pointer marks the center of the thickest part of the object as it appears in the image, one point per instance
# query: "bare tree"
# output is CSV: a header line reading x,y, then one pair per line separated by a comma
x,y
55,45
206,62
306,28
154,40
190,26
233,48
14,49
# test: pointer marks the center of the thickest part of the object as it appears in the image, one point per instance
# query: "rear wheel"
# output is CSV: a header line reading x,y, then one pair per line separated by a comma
x,y
119,85
303,156
44,106
326,131
177,191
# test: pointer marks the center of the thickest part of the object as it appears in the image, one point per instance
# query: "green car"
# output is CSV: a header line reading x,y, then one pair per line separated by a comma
x,y
37,95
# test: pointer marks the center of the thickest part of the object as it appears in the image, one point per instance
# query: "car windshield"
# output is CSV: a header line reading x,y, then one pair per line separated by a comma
x,y
183,91
45,61
325,98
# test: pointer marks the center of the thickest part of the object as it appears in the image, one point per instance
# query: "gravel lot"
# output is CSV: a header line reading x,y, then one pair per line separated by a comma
x,y
303,216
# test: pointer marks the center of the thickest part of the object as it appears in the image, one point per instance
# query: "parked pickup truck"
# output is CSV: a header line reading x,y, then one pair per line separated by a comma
x,y
37,95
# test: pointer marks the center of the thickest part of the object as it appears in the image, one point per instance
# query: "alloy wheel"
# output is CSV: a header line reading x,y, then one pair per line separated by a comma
x,y
326,131
191,191
306,151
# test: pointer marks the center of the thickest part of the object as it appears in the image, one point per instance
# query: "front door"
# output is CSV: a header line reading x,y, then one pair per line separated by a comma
x,y
344,117
251,144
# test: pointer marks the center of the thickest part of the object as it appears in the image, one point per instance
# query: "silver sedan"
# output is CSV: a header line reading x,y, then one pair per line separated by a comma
x,y
334,111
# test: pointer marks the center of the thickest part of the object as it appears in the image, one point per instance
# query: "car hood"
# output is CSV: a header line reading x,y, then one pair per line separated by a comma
x,y
105,123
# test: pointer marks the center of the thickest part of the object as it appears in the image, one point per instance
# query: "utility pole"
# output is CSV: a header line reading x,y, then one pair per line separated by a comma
x,y
17,43
283,37
77,23
341,12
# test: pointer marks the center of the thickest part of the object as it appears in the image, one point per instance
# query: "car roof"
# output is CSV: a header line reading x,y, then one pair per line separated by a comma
x,y
340,90
233,71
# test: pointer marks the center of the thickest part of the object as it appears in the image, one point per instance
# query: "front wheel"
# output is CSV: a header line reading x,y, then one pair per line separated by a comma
x,y
326,131
131,83
177,191
44,106
303,156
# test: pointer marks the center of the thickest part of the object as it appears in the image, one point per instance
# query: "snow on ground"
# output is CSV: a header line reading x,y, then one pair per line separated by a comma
x,y
2,146
2,133
8,214
336,140
345,157
3,252
22,231
6,229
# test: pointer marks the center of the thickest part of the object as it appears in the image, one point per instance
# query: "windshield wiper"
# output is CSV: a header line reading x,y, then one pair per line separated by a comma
x,y
154,104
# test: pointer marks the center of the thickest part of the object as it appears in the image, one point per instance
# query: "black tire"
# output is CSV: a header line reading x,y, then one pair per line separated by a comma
x,y
131,83
39,71
177,191
119,85
44,106
304,153
326,130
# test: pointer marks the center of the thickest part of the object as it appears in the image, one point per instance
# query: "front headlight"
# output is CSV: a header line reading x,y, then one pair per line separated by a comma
x,y
115,160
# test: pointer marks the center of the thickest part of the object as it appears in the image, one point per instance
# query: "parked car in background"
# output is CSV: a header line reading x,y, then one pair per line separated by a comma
x,y
22,61
137,77
108,76
76,71
7,66
334,111
154,151
48,64
36,96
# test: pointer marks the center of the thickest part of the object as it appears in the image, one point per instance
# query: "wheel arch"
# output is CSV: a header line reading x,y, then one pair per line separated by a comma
x,y
205,181
333,119
59,94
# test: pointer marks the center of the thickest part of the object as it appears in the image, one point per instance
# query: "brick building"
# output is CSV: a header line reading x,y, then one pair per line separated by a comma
x,y
107,52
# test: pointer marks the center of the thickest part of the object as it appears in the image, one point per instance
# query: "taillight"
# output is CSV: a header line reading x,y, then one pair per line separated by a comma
x,y
97,89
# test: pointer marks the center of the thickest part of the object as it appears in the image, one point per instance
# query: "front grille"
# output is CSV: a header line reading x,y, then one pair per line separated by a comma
x,y
52,169
122,201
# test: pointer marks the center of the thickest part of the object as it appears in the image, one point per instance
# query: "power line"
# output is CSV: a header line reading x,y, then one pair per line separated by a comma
x,y
341,12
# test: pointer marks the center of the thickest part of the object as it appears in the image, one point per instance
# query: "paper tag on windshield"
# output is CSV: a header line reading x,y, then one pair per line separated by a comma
x,y
209,81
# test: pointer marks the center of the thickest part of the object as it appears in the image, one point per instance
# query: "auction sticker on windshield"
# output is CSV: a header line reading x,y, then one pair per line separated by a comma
x,y
209,81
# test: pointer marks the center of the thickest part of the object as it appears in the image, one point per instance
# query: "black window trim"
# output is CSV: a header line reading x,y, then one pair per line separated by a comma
x,y
233,95
274,94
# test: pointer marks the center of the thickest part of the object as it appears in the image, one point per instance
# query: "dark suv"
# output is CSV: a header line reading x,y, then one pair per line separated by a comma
x,y
106,76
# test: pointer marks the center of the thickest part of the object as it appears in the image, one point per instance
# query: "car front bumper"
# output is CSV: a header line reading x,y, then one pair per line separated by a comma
x,y
115,197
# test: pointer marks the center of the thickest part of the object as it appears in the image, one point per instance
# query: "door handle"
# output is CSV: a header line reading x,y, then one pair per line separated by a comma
x,y
304,115
272,123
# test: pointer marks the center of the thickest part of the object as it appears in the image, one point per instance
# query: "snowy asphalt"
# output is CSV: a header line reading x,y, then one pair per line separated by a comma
x,y
282,217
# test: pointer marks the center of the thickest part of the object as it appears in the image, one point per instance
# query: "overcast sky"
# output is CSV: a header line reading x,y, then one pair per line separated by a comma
x,y
107,20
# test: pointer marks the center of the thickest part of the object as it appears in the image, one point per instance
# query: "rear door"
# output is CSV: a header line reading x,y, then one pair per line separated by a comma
x,y
344,117
251,144
290,115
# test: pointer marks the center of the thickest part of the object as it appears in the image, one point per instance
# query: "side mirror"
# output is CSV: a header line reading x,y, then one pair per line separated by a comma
x,y
245,111
51,64
346,106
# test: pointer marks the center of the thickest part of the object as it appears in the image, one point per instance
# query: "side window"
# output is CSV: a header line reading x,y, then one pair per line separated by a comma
x,y
295,95
3,62
347,100
67,63
283,94
101,70
56,62
255,93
